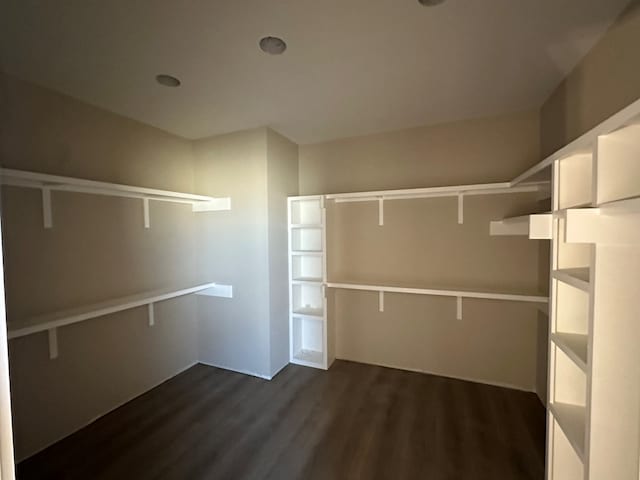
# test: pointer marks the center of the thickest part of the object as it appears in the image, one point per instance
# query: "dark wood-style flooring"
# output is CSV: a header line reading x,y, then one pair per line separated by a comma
x,y
353,422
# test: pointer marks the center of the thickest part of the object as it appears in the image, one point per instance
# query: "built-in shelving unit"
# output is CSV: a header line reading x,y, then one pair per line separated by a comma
x,y
594,372
50,183
308,326
50,322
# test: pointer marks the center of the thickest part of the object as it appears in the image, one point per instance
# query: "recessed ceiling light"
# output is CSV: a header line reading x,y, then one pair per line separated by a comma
x,y
167,80
273,45
430,3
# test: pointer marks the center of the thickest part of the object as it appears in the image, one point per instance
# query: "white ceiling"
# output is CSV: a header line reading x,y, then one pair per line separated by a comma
x,y
352,66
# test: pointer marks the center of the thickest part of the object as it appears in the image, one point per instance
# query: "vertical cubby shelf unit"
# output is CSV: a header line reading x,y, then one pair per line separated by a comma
x,y
594,342
307,276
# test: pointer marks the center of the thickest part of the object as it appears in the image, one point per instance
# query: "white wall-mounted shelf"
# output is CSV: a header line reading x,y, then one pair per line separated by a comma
x,y
571,419
575,346
535,226
439,292
49,183
455,191
50,322
576,277
615,223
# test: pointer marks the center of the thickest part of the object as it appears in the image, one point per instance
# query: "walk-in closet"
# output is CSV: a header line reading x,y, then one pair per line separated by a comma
x,y
286,240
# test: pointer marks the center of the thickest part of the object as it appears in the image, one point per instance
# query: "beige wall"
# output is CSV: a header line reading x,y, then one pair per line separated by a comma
x,y
234,250
246,248
282,181
421,244
87,257
604,82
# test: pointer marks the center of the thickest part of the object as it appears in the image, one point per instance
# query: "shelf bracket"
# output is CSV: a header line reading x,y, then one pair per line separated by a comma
x,y
152,318
53,343
380,211
459,308
145,209
46,208
460,208
381,301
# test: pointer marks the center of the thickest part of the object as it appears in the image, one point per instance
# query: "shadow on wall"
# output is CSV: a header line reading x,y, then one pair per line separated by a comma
x,y
605,81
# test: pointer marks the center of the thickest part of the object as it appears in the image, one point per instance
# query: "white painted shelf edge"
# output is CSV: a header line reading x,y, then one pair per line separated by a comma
x,y
26,179
432,192
576,277
574,346
614,223
41,323
442,292
572,420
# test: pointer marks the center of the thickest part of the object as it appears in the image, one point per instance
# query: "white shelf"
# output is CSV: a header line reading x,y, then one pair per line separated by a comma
x,y
308,358
434,192
574,346
22,178
41,323
307,281
576,277
572,419
314,253
614,223
309,312
442,292
48,183
536,226
305,225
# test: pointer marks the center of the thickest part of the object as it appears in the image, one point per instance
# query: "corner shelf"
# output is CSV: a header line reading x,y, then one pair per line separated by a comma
x,y
48,183
572,419
575,346
576,277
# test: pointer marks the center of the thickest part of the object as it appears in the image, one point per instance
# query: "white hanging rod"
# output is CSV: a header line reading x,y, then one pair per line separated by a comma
x,y
51,321
442,292
434,192
22,178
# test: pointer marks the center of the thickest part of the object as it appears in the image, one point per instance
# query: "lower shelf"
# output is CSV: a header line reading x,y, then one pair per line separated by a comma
x,y
572,419
574,346
309,358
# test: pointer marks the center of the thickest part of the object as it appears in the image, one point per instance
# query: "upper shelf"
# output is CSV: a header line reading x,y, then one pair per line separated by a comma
x,y
48,183
583,144
22,178
461,293
432,192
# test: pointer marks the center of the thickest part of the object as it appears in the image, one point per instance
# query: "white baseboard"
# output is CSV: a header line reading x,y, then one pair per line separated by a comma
x,y
454,377
244,372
